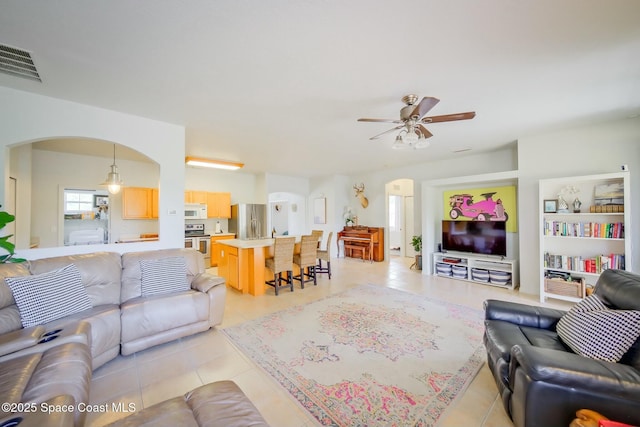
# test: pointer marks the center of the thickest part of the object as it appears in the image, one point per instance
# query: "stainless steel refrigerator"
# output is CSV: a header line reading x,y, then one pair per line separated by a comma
x,y
249,221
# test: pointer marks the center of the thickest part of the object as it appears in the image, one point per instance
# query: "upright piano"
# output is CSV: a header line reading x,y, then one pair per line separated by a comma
x,y
369,241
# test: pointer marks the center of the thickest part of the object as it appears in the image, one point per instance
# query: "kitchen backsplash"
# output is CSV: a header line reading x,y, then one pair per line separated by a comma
x,y
210,224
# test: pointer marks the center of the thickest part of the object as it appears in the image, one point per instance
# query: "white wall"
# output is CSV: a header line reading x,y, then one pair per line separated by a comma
x,y
20,169
242,186
594,149
375,213
26,117
53,171
337,191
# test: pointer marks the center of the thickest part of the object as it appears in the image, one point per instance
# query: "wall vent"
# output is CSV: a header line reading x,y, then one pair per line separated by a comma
x,y
18,62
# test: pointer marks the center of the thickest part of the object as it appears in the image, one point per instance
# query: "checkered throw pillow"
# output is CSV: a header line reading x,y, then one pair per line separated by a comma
x,y
593,330
45,297
163,276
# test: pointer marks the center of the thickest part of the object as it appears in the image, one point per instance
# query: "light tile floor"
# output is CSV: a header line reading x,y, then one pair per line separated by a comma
x,y
169,370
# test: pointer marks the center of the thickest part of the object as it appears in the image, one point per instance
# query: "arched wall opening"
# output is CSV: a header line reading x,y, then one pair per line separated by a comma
x,y
26,117
400,217
48,172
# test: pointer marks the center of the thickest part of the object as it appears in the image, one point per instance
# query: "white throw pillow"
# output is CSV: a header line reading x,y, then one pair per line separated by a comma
x,y
45,297
163,276
593,330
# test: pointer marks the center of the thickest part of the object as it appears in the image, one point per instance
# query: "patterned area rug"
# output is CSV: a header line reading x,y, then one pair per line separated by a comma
x,y
369,356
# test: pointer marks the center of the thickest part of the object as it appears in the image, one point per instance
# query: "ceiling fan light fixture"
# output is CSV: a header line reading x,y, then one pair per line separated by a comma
x,y
410,138
113,181
212,163
422,143
399,144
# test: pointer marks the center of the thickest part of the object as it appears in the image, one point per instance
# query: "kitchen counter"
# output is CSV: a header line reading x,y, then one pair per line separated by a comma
x,y
241,263
137,239
246,244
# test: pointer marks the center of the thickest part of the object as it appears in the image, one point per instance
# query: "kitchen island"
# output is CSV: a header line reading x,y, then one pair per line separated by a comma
x,y
241,263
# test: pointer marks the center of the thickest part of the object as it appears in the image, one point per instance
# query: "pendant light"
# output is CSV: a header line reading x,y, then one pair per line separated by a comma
x,y
113,181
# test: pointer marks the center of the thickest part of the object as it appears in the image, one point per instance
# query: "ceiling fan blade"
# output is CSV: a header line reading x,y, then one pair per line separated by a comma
x,y
424,131
380,120
386,131
449,117
427,103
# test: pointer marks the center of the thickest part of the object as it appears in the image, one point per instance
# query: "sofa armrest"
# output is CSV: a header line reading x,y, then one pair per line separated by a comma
x,y
20,339
522,314
570,370
203,282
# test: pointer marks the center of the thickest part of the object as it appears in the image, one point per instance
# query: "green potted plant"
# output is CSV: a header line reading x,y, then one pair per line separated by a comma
x,y
6,218
416,242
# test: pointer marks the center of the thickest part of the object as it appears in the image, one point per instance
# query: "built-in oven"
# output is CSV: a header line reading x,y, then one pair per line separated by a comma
x,y
196,238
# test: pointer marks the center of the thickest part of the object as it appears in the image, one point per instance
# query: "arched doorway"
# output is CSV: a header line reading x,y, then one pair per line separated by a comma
x,y
55,173
400,217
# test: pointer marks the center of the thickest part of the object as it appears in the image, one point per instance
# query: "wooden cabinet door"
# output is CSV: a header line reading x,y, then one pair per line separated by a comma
x,y
215,249
136,203
221,258
219,205
234,273
199,197
155,207
224,205
195,197
228,265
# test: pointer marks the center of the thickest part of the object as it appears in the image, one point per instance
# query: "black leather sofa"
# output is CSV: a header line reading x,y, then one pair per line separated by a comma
x,y
542,382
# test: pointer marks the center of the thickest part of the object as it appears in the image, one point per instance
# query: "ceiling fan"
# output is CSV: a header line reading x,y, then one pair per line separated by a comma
x,y
412,132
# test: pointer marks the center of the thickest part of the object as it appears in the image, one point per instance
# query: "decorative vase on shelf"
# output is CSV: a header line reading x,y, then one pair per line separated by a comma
x,y
576,205
562,204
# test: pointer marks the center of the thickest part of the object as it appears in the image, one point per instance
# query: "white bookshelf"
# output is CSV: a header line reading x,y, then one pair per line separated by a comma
x,y
582,244
469,267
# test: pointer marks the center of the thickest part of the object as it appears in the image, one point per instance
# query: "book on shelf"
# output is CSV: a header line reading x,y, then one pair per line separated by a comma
x,y
610,230
594,264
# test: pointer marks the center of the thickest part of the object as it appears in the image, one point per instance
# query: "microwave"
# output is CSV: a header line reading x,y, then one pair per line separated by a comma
x,y
195,211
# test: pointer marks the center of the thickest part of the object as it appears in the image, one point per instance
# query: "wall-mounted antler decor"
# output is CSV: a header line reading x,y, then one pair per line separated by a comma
x,y
364,202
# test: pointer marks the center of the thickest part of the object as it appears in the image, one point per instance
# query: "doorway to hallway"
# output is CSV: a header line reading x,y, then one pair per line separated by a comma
x,y
400,217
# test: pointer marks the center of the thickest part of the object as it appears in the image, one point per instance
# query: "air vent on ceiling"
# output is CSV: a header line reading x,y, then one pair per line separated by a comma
x,y
17,62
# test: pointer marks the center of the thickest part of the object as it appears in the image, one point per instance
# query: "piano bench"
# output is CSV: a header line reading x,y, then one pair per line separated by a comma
x,y
354,248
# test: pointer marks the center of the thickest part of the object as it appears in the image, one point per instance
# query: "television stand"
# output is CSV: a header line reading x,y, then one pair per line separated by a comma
x,y
487,270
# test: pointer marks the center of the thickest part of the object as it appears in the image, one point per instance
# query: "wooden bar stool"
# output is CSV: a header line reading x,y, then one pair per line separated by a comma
x,y
282,261
325,255
307,259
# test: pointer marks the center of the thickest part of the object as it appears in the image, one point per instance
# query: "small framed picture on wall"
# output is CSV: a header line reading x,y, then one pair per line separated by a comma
x,y
100,201
550,206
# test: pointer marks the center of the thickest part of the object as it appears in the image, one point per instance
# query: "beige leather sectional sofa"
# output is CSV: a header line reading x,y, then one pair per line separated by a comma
x,y
135,301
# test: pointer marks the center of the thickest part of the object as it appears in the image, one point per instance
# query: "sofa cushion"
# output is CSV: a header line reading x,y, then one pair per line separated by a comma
x,y
105,324
144,317
9,314
163,276
100,273
217,404
131,274
593,330
49,296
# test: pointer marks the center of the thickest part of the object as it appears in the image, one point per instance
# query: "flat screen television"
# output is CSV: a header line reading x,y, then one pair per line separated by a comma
x,y
478,237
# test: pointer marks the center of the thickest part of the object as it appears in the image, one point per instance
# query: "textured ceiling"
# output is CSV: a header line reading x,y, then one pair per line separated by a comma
x,y
279,85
